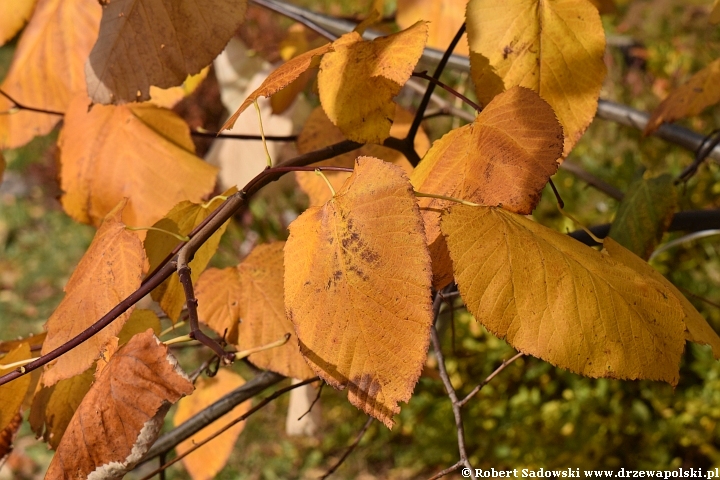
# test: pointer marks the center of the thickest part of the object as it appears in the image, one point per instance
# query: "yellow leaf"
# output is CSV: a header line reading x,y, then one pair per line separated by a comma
x,y
169,97
554,47
296,43
715,12
156,42
445,18
53,407
690,99
280,78
218,295
358,80
13,393
131,395
319,132
357,288
140,320
110,270
139,151
503,158
47,69
182,219
205,462
554,298
13,16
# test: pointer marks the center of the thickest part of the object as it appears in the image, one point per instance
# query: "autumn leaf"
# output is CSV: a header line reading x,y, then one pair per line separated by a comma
x,y
645,214
169,97
554,47
138,151
280,78
318,132
13,16
122,414
110,270
7,435
47,68
207,461
358,80
53,407
715,13
181,219
552,297
445,19
505,157
296,43
13,393
218,295
357,288
690,99
32,340
140,320
156,42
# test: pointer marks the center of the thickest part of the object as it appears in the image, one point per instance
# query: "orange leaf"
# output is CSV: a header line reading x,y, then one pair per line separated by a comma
x,y
205,462
120,417
358,80
690,99
445,19
319,132
156,42
47,69
110,270
218,295
503,158
357,288
7,435
141,151
280,78
13,393
13,16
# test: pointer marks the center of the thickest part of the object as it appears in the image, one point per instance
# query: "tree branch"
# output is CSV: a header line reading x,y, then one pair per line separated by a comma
x,y
350,449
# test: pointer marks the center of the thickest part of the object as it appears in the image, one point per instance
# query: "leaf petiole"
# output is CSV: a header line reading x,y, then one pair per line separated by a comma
x,y
180,339
278,343
20,365
450,199
182,238
217,197
319,172
262,134
172,329
567,215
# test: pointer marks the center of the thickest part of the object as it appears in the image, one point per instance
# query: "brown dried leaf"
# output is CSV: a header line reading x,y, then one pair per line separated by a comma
x,y
7,435
357,288
110,270
156,42
121,415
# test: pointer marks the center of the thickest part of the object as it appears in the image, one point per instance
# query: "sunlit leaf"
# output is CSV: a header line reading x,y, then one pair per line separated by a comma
x,y
554,47
12,394
110,270
47,69
296,43
169,97
445,18
645,214
14,15
121,415
205,462
357,288
138,151
552,297
358,80
156,42
503,158
318,132
691,98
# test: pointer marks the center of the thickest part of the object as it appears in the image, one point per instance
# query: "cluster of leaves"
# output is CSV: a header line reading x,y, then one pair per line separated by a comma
x,y
355,281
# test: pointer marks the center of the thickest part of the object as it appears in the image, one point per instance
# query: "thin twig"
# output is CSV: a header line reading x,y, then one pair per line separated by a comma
x,y
243,136
502,367
350,449
448,89
317,398
703,151
448,470
20,106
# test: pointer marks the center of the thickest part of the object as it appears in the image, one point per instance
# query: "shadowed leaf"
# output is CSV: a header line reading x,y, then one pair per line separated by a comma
x,y
140,320
13,16
357,288
13,393
7,435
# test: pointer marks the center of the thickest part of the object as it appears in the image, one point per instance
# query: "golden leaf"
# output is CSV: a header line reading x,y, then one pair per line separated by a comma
x,y
358,80
445,19
122,414
13,393
13,16
554,47
156,42
218,295
169,97
503,158
140,320
552,297
139,151
47,69
205,462
110,270
357,288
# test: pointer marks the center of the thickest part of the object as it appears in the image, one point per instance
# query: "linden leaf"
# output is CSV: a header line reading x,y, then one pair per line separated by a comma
x,y
689,99
122,414
218,295
13,16
358,80
47,68
319,132
357,288
140,320
156,42
182,219
715,13
169,97
554,47
139,151
554,298
53,407
207,461
280,78
7,435
645,214
13,393
503,158
445,20
110,270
